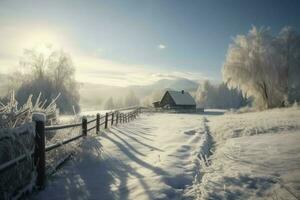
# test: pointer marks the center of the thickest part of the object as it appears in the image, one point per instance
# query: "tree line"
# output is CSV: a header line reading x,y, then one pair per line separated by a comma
x,y
129,100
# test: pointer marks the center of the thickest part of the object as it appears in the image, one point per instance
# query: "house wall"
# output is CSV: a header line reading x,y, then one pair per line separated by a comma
x,y
184,107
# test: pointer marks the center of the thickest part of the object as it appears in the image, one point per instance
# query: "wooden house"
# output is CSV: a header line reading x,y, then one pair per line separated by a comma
x,y
177,100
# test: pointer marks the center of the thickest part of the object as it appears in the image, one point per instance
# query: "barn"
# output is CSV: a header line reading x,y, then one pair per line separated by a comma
x,y
178,100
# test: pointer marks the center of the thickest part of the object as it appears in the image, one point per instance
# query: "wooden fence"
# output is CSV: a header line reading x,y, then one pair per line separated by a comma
x,y
39,153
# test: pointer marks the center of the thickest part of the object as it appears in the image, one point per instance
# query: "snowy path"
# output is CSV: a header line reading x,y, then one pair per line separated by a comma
x,y
150,158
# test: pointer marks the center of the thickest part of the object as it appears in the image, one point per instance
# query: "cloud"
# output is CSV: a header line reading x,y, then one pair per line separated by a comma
x,y
196,76
162,46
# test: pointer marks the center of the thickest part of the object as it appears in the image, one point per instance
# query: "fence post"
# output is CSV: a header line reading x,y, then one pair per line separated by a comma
x,y
39,149
84,126
117,117
123,118
98,123
106,120
112,118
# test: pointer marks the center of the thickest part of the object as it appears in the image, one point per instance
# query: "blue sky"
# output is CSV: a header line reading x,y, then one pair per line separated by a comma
x,y
137,42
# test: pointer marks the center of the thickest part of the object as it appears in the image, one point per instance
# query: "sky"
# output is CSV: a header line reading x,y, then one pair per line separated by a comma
x,y
137,42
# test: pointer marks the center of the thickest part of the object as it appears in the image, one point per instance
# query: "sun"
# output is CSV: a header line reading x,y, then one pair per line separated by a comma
x,y
41,40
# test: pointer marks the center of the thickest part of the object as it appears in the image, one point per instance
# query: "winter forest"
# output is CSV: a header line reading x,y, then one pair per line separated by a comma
x,y
151,100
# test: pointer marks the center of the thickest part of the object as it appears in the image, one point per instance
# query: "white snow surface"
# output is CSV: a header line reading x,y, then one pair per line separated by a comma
x,y
153,157
256,156
252,155
182,98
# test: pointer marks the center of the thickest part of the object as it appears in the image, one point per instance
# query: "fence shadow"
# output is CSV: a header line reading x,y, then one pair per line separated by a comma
x,y
86,176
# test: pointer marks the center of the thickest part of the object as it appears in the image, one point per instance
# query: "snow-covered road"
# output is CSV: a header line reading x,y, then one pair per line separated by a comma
x,y
153,157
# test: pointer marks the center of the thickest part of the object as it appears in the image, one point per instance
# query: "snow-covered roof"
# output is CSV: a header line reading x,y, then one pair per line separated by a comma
x,y
182,98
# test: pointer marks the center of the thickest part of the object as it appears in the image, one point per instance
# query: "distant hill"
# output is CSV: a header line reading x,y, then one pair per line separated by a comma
x,y
176,84
164,84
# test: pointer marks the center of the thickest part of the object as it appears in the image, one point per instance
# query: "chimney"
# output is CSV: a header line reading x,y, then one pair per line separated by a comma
x,y
182,91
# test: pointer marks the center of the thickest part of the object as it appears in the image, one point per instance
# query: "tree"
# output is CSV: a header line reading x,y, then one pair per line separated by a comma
x,y
109,104
119,102
131,100
254,65
288,42
218,96
156,95
50,73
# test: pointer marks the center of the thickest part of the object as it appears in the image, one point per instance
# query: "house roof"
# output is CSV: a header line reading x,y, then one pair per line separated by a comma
x,y
182,98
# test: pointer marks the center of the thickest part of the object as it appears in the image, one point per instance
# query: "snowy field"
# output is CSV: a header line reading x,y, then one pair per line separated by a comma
x,y
257,156
187,156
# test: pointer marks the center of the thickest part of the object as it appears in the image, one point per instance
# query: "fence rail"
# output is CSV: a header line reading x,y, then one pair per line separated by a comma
x,y
59,127
40,149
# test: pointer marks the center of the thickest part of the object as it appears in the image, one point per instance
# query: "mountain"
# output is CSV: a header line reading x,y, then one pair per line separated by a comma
x,y
176,84
165,84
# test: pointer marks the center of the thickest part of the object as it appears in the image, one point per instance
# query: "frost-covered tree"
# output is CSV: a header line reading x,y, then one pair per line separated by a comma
x,y
254,65
50,73
119,102
109,104
288,42
204,93
218,96
155,95
131,100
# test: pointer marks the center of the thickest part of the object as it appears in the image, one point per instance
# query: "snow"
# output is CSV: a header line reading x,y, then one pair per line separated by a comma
x,y
182,98
14,143
187,156
39,117
256,156
153,157
257,167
